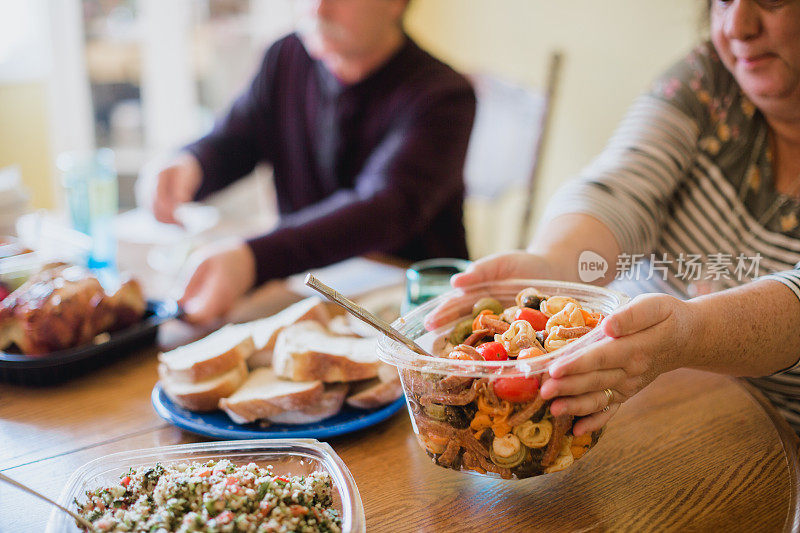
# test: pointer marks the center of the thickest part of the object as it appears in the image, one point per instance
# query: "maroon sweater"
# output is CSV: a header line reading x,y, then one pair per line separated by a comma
x,y
376,166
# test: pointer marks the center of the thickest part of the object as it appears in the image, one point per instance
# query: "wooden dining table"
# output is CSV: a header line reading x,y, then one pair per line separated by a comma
x,y
694,451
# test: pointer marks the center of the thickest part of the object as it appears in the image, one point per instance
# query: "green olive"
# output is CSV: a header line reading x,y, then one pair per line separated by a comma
x,y
487,303
461,332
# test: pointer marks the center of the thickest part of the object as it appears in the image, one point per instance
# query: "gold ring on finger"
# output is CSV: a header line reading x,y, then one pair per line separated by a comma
x,y
609,396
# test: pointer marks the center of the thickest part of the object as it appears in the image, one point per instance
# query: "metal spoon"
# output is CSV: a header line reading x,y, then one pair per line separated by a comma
x,y
362,314
82,521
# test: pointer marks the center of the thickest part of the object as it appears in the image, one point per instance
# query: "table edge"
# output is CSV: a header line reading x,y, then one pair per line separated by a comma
x,y
791,446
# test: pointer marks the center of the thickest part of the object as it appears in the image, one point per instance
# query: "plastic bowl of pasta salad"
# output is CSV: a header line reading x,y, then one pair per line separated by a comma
x,y
251,485
475,405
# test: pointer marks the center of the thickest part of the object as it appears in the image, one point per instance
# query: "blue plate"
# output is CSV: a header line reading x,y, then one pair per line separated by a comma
x,y
216,424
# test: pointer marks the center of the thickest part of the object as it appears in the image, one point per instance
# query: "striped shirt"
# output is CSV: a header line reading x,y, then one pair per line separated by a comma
x,y
686,187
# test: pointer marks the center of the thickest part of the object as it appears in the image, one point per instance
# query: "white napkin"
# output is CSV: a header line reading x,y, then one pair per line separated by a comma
x,y
351,277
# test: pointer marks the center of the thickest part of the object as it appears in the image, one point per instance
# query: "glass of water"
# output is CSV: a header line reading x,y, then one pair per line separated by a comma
x,y
90,182
428,279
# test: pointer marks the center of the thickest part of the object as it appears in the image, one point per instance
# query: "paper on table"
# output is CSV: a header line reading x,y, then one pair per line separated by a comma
x,y
140,226
351,277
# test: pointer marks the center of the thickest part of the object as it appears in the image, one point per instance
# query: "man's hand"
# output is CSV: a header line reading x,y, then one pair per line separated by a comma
x,y
220,273
646,338
173,185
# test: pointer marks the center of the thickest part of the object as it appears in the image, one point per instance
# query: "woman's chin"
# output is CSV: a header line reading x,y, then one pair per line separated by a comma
x,y
761,88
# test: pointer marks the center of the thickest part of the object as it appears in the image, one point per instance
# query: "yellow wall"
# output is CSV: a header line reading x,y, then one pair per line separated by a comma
x,y
612,50
24,137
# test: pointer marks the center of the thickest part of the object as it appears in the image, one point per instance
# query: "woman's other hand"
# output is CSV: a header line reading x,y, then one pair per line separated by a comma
x,y
509,265
646,338
219,274
554,253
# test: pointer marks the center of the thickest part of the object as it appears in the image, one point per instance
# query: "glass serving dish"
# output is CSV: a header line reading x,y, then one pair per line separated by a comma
x,y
287,457
458,418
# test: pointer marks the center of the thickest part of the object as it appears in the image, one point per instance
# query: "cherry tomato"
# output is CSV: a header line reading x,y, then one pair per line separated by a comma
x,y
535,318
493,351
516,390
125,481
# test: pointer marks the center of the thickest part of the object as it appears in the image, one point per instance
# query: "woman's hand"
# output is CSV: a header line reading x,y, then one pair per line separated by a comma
x,y
220,273
510,265
647,337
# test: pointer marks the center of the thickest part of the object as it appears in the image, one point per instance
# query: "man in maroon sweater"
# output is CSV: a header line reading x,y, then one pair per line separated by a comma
x,y
367,135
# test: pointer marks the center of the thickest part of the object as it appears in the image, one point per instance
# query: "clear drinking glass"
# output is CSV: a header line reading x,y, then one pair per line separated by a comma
x,y
429,279
90,183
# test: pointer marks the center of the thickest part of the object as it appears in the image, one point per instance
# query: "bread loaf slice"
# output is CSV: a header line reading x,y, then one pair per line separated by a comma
x,y
307,351
374,393
328,405
202,395
264,395
265,330
209,357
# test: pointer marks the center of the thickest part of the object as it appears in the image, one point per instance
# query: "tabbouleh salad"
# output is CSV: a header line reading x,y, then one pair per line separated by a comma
x,y
216,496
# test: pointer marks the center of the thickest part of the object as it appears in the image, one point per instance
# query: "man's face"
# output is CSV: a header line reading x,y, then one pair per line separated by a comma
x,y
348,28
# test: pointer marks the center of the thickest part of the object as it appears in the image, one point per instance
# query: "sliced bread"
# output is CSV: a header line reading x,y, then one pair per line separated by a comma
x,y
210,356
265,330
307,351
202,395
340,325
264,394
374,393
328,405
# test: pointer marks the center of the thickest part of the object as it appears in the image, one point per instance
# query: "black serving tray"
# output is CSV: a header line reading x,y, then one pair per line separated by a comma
x,y
67,364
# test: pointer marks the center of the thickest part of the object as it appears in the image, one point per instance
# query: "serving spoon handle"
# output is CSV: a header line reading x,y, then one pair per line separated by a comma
x,y
362,314
82,521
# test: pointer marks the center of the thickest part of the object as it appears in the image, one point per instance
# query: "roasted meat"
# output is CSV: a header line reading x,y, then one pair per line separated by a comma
x,y
64,306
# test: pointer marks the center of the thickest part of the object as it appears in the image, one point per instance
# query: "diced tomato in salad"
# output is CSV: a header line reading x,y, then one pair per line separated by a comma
x,y
516,389
224,517
535,318
492,351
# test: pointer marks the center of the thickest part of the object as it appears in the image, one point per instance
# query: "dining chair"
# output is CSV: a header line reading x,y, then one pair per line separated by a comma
x,y
504,158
